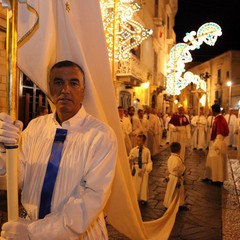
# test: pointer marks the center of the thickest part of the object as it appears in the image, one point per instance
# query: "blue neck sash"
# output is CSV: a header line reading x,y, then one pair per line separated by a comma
x,y
51,173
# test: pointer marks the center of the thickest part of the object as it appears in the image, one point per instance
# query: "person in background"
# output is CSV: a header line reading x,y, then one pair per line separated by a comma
x,y
141,166
166,125
66,165
176,169
144,123
216,163
210,120
153,137
180,127
231,120
126,128
199,129
136,125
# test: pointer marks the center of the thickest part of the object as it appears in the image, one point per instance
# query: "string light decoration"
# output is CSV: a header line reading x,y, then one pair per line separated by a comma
x,y
121,31
180,55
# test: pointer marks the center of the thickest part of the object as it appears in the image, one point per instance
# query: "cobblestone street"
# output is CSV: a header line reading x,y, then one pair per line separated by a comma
x,y
214,210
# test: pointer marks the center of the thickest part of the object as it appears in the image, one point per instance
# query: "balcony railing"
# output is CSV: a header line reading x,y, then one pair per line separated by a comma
x,y
133,69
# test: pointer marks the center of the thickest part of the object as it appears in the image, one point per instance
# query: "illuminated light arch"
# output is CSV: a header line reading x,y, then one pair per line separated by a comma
x,y
121,31
180,54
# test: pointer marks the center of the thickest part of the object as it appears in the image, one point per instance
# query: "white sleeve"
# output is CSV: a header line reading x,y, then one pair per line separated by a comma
x,y
87,201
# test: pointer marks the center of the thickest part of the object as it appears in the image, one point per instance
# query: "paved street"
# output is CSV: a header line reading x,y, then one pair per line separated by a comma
x,y
214,210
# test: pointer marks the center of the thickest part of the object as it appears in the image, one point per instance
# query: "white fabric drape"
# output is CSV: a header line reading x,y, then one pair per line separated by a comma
x,y
51,31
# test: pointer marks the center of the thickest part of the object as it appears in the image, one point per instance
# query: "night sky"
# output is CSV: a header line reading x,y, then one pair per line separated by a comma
x,y
194,13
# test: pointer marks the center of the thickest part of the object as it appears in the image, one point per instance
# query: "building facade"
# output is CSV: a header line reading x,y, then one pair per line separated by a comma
x,y
142,76
222,76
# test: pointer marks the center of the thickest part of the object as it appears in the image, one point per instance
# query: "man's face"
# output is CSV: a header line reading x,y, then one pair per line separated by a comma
x,y
131,111
140,114
121,112
140,142
180,110
67,90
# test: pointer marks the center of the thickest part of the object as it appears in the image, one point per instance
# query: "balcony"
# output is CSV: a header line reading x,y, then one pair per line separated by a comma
x,y
133,72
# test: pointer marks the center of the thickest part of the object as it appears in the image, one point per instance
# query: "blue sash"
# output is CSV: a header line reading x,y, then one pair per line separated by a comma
x,y
51,172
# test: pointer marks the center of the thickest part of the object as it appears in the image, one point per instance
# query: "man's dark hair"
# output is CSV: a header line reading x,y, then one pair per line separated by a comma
x,y
143,137
216,108
175,147
68,63
130,107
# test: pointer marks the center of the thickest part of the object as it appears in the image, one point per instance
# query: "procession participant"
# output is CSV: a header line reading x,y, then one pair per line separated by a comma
x,y
141,166
66,164
126,128
153,140
176,169
210,120
199,130
136,125
216,163
231,119
180,127
144,123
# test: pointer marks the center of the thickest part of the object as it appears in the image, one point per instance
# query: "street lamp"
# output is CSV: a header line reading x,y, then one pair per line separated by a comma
x,y
229,84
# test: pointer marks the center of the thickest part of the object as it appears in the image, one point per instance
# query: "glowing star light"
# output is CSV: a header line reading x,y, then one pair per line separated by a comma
x,y
180,54
121,31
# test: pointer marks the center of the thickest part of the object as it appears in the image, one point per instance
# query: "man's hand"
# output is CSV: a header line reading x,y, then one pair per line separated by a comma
x,y
16,230
9,130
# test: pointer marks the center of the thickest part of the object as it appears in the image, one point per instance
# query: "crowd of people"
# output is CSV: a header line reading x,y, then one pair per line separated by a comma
x,y
200,132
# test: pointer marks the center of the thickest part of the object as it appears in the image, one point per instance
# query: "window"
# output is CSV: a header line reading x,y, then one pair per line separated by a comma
x,y
219,76
156,8
31,97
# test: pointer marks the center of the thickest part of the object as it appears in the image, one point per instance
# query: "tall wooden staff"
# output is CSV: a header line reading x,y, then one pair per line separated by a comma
x,y
12,151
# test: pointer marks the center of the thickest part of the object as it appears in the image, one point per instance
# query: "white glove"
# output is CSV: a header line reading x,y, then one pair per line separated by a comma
x,y
16,230
9,130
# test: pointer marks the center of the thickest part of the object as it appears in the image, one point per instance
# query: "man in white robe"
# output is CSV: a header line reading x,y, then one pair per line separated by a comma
x,y
144,123
86,169
126,128
153,139
231,120
136,125
199,129
166,125
180,127
210,120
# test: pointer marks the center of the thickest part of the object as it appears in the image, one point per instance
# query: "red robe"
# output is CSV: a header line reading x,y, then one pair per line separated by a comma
x,y
220,126
179,120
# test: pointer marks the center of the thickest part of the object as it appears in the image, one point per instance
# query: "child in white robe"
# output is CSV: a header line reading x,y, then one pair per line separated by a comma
x,y
141,166
176,170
